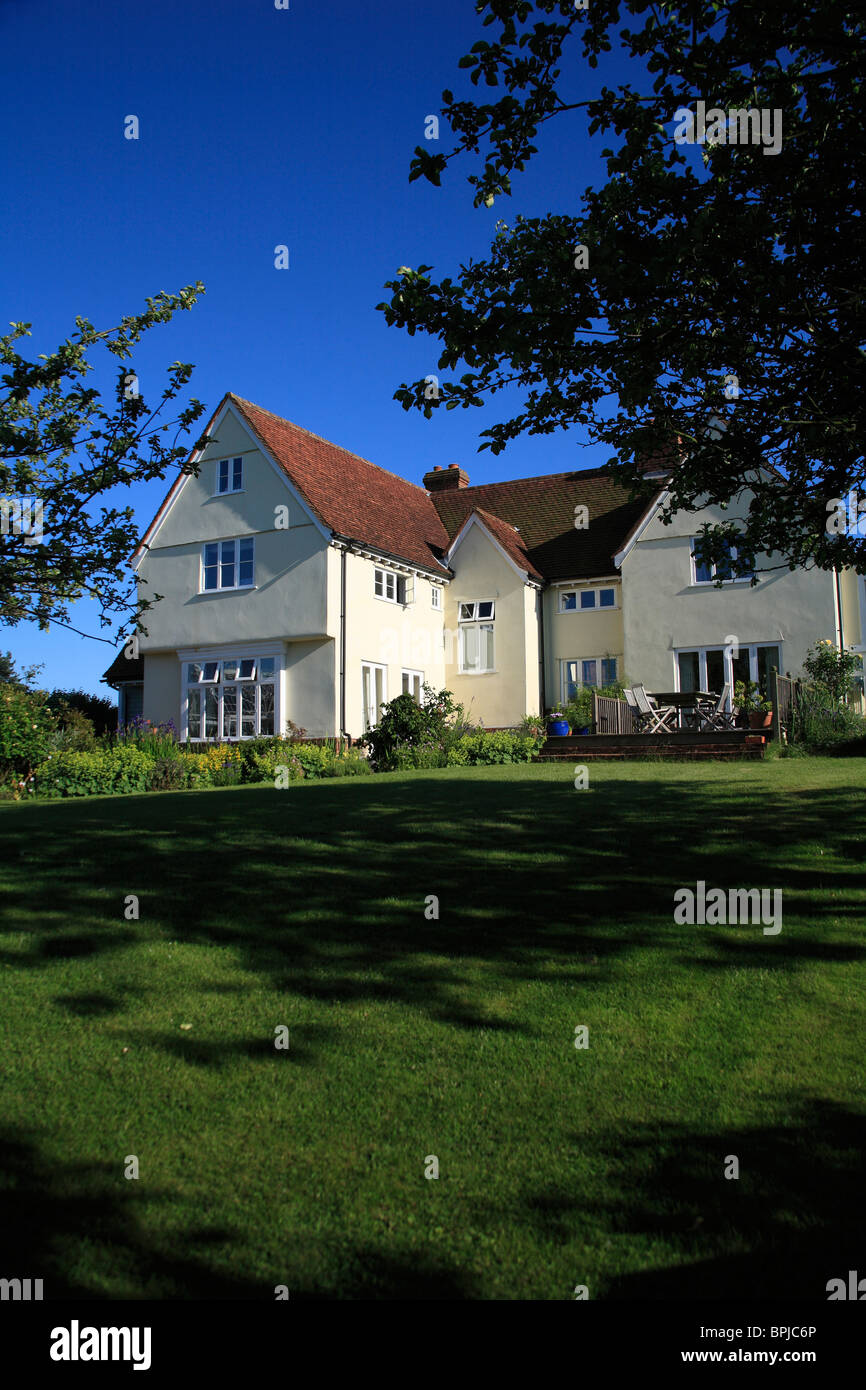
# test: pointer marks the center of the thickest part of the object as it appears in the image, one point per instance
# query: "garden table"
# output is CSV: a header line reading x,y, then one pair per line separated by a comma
x,y
692,706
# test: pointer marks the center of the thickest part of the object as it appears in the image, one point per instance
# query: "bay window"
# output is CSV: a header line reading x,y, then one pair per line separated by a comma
x,y
234,698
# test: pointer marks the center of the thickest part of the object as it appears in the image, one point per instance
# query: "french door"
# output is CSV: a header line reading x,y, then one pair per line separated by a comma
x,y
712,668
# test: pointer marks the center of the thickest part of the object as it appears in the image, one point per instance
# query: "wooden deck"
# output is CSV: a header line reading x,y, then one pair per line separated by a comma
x,y
727,744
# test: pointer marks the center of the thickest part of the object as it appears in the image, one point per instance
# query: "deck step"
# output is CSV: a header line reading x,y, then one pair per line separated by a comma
x,y
720,745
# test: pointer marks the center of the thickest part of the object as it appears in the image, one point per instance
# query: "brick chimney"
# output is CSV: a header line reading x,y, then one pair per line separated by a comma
x,y
445,479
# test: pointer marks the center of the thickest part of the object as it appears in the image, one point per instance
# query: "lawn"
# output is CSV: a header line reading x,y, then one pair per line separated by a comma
x,y
411,1037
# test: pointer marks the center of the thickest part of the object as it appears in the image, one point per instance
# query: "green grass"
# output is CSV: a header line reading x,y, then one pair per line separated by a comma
x,y
454,1037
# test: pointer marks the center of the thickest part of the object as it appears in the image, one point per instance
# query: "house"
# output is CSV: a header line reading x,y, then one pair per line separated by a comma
x,y
301,582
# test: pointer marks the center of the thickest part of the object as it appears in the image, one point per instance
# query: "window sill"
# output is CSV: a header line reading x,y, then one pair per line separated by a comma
x,y
237,589
711,583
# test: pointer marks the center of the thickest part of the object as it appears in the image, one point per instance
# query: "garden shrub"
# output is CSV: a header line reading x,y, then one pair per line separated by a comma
x,y
167,775
578,710
477,747
27,726
75,732
438,721
352,763
101,773
501,746
100,711
303,760
406,756
820,722
206,765
836,671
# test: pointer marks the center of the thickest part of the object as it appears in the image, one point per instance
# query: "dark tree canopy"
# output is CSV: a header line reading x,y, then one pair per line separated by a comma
x,y
719,282
60,450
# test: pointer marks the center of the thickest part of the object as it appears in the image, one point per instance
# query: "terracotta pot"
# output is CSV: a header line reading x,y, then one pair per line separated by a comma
x,y
759,720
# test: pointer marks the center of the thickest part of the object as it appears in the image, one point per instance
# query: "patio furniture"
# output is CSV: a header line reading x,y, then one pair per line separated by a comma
x,y
689,705
639,719
660,718
717,716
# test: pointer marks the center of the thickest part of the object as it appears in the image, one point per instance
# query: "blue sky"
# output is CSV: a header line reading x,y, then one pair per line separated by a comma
x,y
258,127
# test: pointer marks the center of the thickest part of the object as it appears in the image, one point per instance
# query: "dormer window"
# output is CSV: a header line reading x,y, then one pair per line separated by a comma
x,y
230,475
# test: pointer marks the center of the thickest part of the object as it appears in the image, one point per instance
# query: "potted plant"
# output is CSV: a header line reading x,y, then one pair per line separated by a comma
x,y
750,702
557,724
578,711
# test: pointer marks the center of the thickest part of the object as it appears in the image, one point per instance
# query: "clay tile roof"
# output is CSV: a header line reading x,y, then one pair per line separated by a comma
x,y
511,541
543,509
352,497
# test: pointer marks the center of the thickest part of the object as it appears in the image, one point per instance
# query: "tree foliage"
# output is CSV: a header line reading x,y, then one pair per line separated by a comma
x,y
716,316
62,447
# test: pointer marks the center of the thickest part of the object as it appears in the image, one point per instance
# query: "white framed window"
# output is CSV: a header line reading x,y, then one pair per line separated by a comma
x,y
373,691
585,600
230,475
228,565
412,683
738,568
475,612
475,649
475,642
233,698
592,671
392,587
436,597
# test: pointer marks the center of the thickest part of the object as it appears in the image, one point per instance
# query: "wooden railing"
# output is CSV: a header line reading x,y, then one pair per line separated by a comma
x,y
611,716
785,694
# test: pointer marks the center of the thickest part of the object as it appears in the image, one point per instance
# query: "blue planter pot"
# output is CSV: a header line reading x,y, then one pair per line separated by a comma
x,y
582,731
557,728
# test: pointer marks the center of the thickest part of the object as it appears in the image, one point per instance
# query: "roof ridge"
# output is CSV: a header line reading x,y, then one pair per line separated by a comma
x,y
535,478
504,482
330,443
482,511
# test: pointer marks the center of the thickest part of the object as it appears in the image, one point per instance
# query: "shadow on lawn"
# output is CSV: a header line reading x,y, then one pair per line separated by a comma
x,y
321,889
59,1220
792,1221
76,1227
